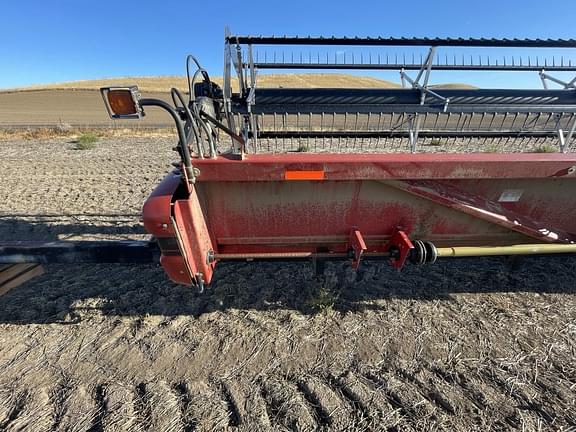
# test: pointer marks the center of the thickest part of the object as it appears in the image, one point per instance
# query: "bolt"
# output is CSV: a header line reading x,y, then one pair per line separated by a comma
x,y
394,253
210,258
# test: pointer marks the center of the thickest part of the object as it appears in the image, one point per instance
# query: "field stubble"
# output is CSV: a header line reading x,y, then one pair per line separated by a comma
x,y
463,345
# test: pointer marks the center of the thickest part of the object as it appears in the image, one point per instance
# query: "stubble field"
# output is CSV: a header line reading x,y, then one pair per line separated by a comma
x,y
463,345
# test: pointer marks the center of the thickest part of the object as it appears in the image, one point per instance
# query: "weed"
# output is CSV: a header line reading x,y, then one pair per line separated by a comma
x,y
86,141
323,299
546,148
492,148
302,148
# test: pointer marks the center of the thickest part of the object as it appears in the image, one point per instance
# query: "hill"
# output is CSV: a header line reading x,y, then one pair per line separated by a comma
x,y
78,103
164,83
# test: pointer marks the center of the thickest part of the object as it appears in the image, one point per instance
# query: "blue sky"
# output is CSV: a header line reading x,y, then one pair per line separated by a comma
x,y
62,40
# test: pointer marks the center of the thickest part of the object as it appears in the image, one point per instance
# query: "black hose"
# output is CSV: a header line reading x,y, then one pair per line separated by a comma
x,y
183,146
200,69
175,93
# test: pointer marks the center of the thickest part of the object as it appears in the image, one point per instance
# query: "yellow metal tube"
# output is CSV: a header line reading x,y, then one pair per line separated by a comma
x,y
521,249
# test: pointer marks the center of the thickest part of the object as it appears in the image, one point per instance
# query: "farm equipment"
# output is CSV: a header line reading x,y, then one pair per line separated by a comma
x,y
408,175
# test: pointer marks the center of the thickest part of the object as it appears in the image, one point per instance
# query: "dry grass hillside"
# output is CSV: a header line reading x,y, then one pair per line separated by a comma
x,y
78,103
164,83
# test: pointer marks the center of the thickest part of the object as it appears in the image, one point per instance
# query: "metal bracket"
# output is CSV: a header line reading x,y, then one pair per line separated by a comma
x,y
399,248
566,85
358,247
564,138
415,119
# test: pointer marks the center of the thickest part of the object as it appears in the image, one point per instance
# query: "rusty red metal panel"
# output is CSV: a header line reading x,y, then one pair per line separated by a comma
x,y
448,195
157,218
390,166
291,215
176,269
157,210
320,212
248,208
194,236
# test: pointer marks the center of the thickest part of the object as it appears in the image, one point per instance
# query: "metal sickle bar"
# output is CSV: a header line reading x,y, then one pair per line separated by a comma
x,y
391,41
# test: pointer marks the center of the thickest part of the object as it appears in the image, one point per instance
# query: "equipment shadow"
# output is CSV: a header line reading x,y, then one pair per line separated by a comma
x,y
67,294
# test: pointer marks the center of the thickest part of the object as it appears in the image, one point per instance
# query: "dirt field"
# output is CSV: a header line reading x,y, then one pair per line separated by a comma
x,y
464,345
79,108
79,103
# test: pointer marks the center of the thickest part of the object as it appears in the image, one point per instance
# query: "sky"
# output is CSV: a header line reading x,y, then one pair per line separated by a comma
x,y
63,40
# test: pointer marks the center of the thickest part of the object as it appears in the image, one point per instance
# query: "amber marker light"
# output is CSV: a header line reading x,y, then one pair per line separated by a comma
x,y
122,102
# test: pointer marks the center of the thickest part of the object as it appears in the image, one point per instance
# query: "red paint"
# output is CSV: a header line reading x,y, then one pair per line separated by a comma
x,y
482,208
358,246
248,207
388,166
175,268
401,246
157,212
196,242
182,219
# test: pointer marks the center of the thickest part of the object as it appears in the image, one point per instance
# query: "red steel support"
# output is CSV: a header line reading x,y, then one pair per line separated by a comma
x,y
399,248
358,246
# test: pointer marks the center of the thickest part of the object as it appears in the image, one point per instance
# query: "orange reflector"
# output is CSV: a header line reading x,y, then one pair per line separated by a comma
x,y
122,102
304,175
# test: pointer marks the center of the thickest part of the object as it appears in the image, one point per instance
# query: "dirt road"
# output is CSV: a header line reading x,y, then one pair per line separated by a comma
x,y
464,345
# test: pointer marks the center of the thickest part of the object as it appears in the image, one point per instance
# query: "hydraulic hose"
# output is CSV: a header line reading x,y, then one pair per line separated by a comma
x,y
183,146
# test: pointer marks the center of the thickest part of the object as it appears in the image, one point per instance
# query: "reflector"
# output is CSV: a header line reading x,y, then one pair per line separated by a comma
x,y
303,175
122,102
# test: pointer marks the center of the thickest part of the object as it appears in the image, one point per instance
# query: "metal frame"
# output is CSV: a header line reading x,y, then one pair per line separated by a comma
x,y
391,41
250,209
253,105
415,119
563,138
387,61
401,207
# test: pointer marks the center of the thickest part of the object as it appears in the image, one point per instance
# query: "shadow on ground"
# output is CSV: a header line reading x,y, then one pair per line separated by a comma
x,y
66,293
48,227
